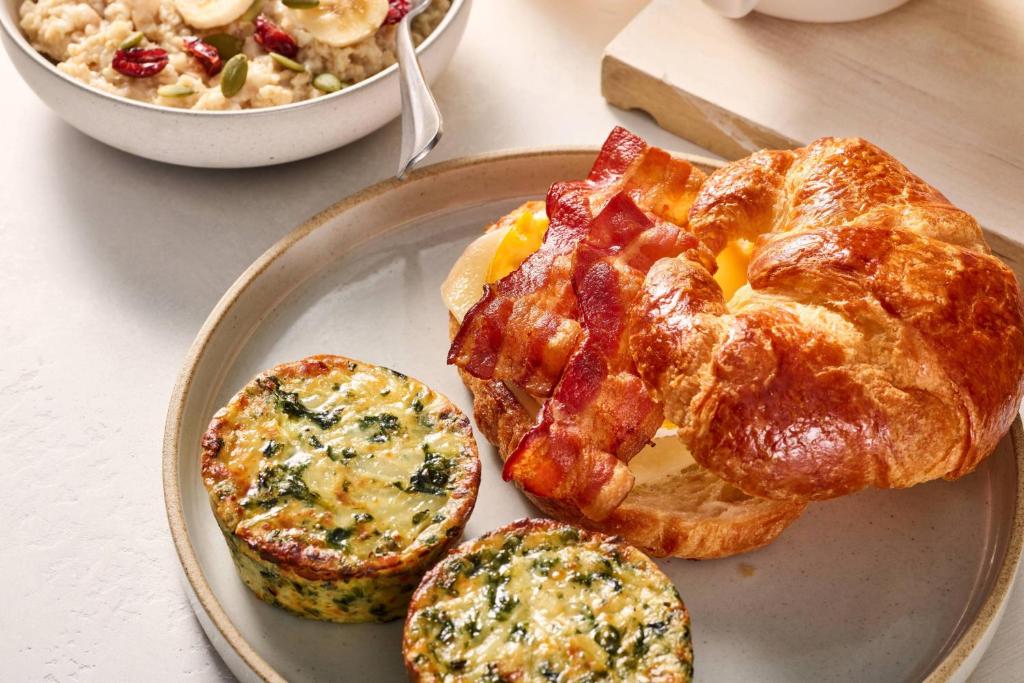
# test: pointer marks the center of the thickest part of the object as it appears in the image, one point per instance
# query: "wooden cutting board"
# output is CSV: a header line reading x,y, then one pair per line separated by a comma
x,y
938,83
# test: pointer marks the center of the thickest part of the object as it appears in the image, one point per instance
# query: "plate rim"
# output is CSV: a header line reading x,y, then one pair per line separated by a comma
x,y
988,614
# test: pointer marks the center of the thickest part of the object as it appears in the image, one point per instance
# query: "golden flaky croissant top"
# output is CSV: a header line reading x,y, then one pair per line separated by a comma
x,y
875,342
878,342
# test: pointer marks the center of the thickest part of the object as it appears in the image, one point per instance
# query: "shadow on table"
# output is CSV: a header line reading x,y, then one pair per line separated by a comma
x,y
168,240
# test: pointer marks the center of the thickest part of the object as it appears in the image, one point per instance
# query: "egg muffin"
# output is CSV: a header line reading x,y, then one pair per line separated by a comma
x,y
539,600
337,484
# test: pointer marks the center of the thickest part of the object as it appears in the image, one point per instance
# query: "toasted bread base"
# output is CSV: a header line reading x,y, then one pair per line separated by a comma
x,y
691,514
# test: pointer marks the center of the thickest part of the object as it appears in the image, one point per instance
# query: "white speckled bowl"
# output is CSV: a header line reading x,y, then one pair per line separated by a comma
x,y
252,137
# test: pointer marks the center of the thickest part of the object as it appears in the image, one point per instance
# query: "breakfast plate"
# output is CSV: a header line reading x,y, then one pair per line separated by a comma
x,y
881,585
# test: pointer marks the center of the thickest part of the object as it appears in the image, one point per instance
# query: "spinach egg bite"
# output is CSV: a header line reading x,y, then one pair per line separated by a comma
x,y
539,600
337,484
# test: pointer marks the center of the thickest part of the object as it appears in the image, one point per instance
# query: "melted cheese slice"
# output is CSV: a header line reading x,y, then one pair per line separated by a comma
x,y
493,255
465,283
521,239
502,249
732,266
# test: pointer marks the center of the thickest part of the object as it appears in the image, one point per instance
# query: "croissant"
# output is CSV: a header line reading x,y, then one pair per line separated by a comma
x,y
690,513
877,343
553,332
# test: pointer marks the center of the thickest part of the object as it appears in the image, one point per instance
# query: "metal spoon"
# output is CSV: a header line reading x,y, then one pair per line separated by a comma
x,y
422,125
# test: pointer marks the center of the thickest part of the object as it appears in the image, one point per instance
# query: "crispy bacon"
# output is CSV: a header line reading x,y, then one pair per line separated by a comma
x,y
619,150
556,326
600,415
653,178
525,326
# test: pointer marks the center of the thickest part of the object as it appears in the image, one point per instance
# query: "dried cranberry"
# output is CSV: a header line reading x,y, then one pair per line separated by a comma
x,y
273,39
397,10
205,54
139,63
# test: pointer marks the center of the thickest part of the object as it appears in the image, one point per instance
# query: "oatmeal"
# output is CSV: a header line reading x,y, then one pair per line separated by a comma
x,y
221,54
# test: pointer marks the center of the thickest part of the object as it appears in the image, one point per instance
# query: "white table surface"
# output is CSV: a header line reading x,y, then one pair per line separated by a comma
x,y
109,266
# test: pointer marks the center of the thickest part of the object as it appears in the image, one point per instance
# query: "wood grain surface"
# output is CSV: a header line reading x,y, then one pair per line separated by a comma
x,y
938,83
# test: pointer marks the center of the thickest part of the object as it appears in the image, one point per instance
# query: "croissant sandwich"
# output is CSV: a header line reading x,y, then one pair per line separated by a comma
x,y
687,361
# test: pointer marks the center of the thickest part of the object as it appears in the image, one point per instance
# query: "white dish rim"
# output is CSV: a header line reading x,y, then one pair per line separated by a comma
x,y
974,636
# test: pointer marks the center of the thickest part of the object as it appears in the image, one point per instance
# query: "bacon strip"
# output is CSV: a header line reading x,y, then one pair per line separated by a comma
x,y
600,415
525,327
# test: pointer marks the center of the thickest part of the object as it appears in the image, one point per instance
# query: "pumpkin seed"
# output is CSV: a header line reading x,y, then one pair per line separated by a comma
x,y
253,11
301,4
131,41
327,83
287,63
175,90
227,45
233,77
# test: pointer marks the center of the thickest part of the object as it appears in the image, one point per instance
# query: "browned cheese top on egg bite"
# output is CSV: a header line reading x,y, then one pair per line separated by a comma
x,y
539,600
332,470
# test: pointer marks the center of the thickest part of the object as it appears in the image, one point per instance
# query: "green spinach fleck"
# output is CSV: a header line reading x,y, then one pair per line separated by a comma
x,y
502,602
346,453
518,632
569,535
385,423
387,544
279,481
290,405
472,626
640,646
610,640
549,673
443,626
542,565
337,537
433,475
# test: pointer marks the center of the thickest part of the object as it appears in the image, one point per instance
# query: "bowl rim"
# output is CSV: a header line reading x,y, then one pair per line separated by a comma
x,y
973,635
14,34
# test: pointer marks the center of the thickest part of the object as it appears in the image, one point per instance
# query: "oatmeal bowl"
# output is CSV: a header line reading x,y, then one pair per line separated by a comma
x,y
223,83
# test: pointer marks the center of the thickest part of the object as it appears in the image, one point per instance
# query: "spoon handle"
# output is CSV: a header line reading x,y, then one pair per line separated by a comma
x,y
422,124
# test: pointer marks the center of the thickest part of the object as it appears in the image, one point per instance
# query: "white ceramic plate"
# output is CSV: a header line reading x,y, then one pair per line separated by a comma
x,y
878,586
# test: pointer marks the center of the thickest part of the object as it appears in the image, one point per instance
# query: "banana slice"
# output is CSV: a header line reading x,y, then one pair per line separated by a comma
x,y
211,13
342,22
